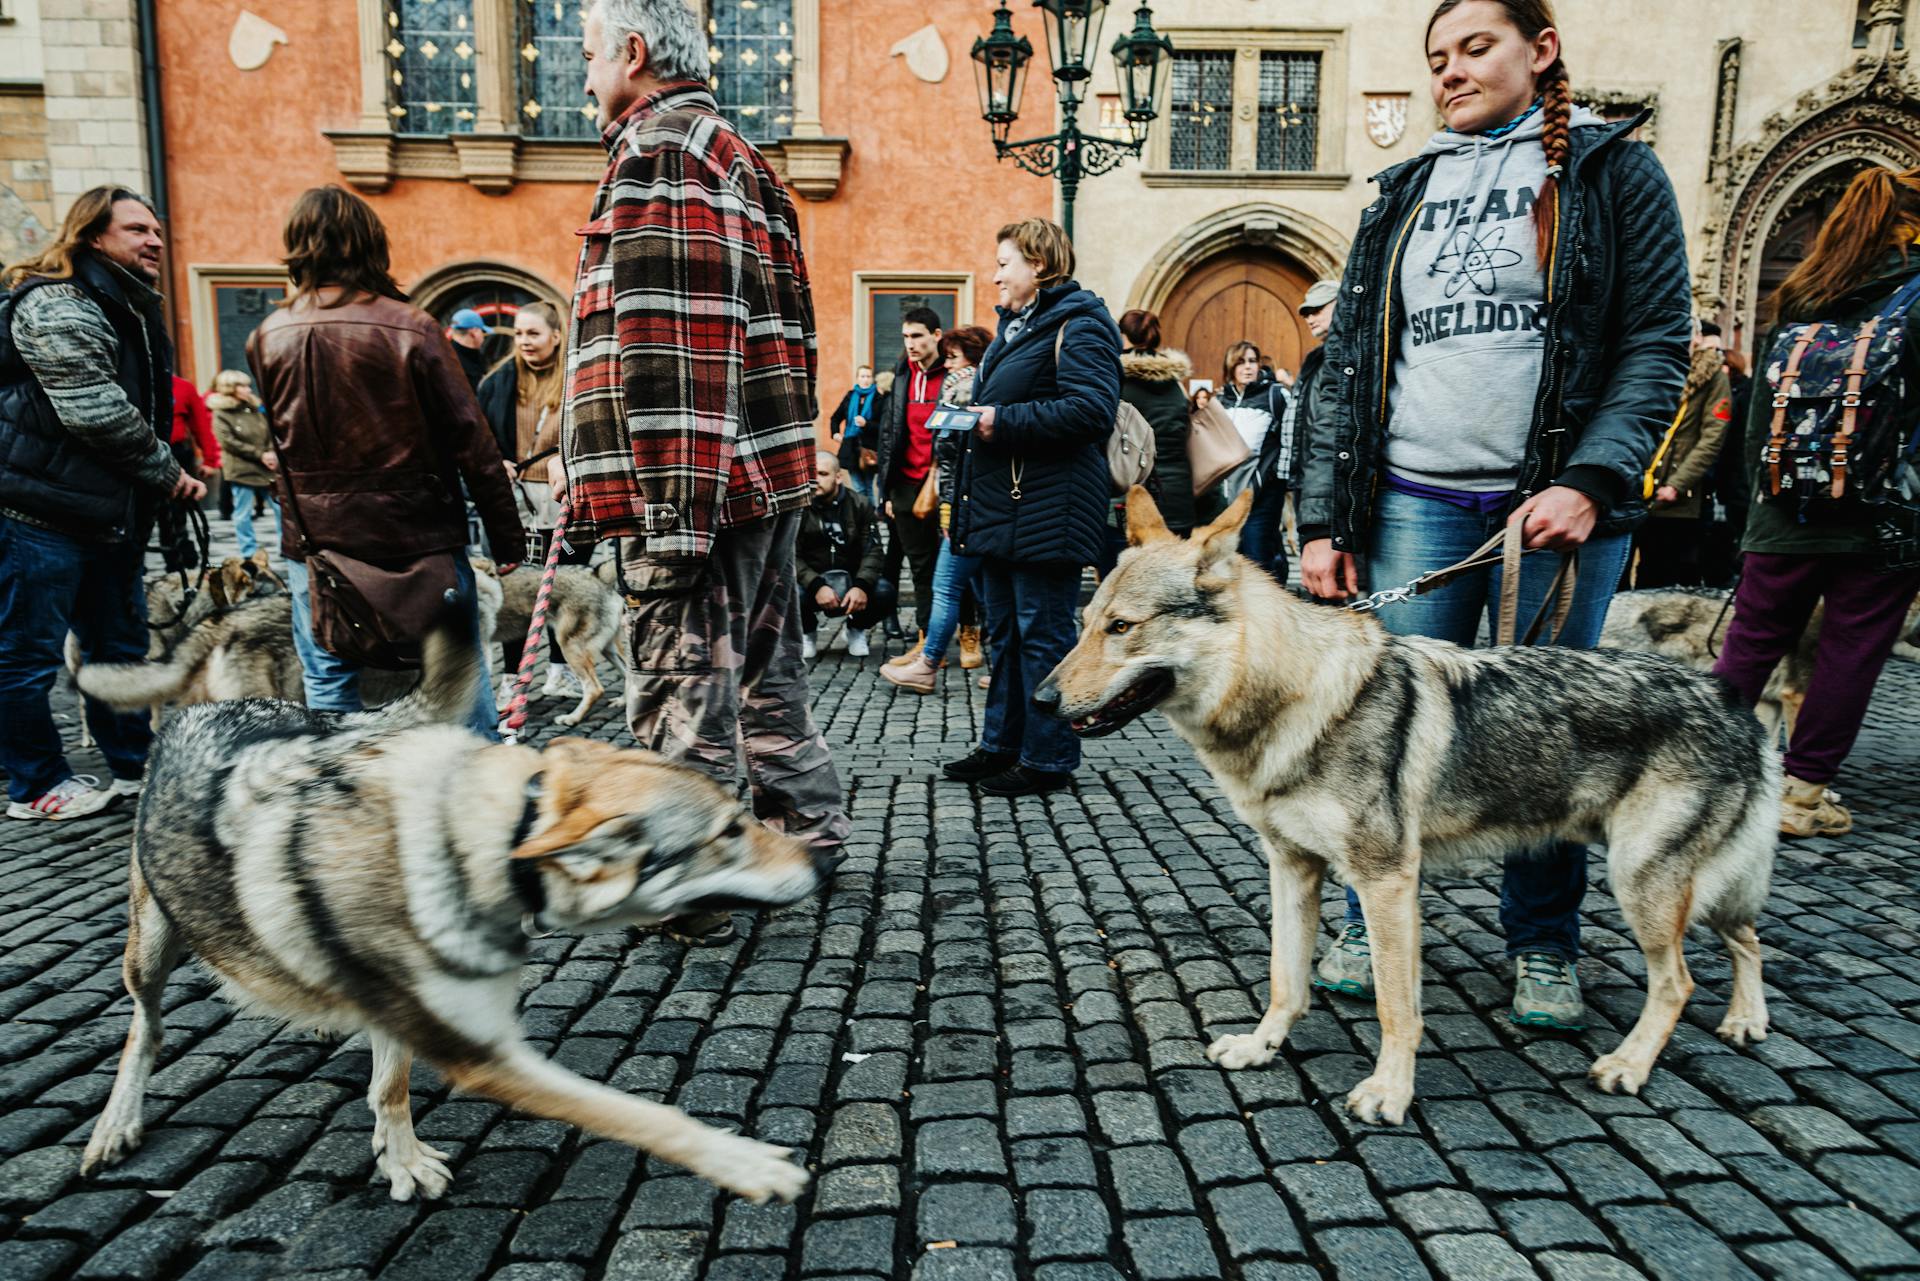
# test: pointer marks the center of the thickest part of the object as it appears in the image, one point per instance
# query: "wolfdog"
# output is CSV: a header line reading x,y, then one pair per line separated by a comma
x,y
584,613
381,870
1374,755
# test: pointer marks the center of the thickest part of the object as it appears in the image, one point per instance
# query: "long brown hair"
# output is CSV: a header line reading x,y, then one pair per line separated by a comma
x,y
335,238
545,387
89,216
1235,354
1530,18
1879,210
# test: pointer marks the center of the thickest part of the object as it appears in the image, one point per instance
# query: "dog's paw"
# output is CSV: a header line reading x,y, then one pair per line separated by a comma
x,y
760,1172
1617,1074
1379,1101
1742,1030
568,719
109,1145
414,1168
1245,1050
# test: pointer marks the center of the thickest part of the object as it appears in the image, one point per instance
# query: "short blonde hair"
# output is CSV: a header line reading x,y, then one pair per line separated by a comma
x,y
1044,244
229,377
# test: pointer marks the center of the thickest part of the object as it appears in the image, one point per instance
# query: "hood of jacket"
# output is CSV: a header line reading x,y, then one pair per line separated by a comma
x,y
1163,366
221,400
1053,307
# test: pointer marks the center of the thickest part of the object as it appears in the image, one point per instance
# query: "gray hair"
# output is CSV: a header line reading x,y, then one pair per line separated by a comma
x,y
676,48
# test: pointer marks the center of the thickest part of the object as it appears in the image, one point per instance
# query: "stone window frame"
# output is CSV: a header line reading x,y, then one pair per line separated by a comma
x,y
202,279
1331,43
865,283
495,154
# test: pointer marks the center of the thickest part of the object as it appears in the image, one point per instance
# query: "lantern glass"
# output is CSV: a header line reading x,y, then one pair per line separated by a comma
x,y
1073,27
1000,69
1140,61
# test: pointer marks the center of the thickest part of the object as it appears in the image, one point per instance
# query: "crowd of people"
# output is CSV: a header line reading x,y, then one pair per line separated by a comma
x,y
671,412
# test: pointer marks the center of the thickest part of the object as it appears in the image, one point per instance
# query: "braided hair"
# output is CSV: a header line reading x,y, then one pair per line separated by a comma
x,y
1530,18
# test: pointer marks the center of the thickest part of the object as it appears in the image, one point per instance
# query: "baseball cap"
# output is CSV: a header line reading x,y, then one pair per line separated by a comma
x,y
468,318
1322,293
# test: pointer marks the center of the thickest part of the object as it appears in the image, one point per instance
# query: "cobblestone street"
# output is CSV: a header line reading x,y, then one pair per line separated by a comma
x,y
987,1038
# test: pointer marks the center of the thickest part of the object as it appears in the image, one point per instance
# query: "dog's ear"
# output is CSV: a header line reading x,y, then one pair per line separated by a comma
x,y
1144,522
1218,543
568,767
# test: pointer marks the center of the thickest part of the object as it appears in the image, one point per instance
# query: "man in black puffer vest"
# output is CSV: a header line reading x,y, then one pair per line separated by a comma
x,y
86,398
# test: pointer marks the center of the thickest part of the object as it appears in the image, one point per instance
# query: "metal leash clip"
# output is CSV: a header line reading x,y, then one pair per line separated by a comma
x,y
1381,599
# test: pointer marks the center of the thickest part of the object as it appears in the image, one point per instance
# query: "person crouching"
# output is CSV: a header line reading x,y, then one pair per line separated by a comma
x,y
838,560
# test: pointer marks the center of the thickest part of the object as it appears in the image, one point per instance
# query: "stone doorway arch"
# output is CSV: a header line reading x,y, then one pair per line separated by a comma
x,y
1239,273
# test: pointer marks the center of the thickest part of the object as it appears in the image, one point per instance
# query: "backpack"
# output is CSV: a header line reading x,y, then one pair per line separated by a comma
x,y
1129,445
1845,431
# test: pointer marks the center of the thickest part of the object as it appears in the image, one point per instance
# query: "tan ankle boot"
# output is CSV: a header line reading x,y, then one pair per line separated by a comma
x,y
912,653
917,675
971,655
1809,809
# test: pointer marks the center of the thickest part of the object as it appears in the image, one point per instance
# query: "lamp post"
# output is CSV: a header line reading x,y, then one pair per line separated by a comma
x,y
1140,57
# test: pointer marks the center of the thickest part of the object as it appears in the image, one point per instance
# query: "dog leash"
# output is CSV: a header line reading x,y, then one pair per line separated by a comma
x,y
536,630
1505,549
203,541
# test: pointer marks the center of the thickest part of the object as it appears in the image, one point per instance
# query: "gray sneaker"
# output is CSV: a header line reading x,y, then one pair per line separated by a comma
x,y
1347,968
1546,993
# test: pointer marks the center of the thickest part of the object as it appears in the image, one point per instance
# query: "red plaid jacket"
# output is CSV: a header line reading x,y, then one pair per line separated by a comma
x,y
690,368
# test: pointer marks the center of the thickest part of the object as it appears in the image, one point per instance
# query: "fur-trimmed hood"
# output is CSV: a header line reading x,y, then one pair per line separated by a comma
x,y
221,400
1164,366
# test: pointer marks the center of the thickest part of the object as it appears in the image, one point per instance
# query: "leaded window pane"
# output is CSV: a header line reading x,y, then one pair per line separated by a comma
x,y
1289,111
751,47
430,66
552,78
1200,119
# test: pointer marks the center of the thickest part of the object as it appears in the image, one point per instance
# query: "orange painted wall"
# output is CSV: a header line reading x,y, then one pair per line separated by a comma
x,y
920,191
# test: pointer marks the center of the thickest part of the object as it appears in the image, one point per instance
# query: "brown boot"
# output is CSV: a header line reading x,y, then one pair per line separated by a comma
x,y
1809,809
913,652
971,655
917,675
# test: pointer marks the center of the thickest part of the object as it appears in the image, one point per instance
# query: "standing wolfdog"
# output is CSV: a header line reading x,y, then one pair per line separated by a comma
x,y
1375,755
381,870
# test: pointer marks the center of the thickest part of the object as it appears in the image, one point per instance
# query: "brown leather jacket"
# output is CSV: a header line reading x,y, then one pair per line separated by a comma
x,y
372,417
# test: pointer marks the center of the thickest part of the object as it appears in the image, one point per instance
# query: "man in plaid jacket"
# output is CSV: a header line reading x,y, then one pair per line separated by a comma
x,y
689,424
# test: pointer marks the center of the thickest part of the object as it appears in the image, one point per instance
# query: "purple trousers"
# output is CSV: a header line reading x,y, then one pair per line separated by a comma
x,y
1864,612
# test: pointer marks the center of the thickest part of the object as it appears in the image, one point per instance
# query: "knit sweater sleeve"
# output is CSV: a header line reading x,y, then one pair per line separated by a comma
x,y
72,351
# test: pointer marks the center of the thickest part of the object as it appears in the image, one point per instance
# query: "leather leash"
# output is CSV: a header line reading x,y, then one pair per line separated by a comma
x,y
1505,549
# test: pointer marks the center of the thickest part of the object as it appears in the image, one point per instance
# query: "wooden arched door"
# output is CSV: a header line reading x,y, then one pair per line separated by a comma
x,y
1245,293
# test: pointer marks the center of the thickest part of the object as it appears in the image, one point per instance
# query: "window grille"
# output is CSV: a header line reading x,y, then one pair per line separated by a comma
x,y
430,66
1289,135
750,43
1200,115
550,75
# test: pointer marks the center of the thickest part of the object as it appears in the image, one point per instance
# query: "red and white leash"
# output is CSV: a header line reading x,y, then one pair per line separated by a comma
x,y
536,632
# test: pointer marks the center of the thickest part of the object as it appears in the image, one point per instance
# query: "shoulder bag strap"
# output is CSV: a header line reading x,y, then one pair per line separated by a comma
x,y
1850,404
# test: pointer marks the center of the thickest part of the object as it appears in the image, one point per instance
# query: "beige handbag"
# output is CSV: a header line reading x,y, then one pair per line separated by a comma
x,y
1214,446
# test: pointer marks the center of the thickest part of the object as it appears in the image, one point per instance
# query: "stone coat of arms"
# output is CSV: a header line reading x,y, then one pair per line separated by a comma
x,y
1386,118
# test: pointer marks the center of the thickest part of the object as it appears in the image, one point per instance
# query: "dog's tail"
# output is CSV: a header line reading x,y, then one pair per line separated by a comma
x,y
128,687
450,671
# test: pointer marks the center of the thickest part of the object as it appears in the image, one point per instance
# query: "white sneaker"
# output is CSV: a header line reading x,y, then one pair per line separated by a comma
x,y
807,647
561,680
126,786
857,642
504,699
77,797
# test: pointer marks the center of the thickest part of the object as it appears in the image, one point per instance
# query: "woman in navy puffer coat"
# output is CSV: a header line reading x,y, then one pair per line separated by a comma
x,y
1032,496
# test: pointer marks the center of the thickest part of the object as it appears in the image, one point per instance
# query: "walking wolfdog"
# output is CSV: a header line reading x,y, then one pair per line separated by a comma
x,y
382,870
1375,755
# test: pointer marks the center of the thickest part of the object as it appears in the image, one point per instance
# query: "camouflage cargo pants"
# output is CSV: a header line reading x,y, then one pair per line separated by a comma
x,y
714,673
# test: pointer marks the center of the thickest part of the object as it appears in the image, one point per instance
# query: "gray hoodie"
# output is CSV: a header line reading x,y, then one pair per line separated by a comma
x,y
1473,298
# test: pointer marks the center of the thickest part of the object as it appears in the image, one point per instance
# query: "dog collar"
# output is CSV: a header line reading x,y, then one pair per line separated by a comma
x,y
528,886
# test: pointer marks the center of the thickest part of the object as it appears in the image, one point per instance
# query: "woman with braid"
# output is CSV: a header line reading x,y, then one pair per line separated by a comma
x,y
1510,346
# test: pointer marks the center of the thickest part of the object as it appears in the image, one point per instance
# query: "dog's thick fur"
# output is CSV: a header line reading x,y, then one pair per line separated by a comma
x,y
328,871
584,613
238,652
1690,624
1375,756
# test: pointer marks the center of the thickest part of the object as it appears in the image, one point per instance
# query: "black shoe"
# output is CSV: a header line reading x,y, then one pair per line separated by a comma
x,y
979,764
890,628
1021,781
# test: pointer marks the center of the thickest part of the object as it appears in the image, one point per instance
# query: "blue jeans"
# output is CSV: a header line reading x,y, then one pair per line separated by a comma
x,y
951,575
1030,629
333,684
243,496
1541,892
49,585
1263,539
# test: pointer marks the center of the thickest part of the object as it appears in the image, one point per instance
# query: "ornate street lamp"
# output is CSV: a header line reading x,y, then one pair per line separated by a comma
x,y
1073,28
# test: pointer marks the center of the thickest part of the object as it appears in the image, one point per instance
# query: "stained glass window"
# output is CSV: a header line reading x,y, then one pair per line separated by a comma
x,y
750,43
430,66
1200,118
1289,111
551,76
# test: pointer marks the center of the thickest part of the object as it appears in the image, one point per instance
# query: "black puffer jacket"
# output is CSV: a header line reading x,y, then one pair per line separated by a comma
x,y
499,394
1619,319
1152,382
1051,424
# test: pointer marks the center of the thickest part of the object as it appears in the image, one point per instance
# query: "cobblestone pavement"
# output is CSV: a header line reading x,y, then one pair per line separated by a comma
x,y
987,1038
